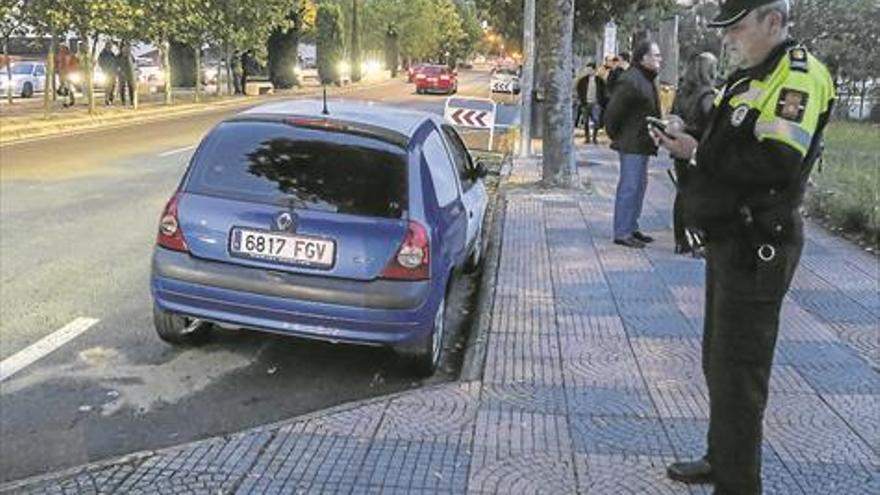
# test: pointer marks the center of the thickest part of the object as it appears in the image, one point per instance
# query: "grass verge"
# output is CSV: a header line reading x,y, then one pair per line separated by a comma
x,y
846,190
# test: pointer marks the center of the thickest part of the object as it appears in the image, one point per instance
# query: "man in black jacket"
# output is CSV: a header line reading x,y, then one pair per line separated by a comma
x,y
590,92
634,98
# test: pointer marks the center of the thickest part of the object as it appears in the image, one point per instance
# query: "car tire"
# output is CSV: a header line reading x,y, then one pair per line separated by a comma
x,y
171,328
475,259
423,358
27,90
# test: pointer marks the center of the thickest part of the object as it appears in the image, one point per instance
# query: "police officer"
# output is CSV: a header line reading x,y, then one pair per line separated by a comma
x,y
749,174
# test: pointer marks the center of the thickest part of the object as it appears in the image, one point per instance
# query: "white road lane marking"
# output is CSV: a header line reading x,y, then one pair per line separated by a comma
x,y
176,151
27,356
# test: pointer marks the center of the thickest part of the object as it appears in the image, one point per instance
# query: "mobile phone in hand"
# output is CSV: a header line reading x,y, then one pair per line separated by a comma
x,y
658,125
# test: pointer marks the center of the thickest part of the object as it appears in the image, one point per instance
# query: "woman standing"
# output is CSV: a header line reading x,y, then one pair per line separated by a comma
x,y
693,103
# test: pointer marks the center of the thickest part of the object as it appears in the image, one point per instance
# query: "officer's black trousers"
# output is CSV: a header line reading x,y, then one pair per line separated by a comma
x,y
743,301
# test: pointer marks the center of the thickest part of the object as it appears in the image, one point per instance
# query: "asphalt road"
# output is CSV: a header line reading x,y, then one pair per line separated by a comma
x,y
78,217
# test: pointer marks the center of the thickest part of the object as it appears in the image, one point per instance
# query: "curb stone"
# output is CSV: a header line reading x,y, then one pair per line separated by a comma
x,y
475,351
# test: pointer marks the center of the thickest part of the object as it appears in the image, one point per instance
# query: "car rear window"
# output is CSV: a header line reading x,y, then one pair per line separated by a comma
x,y
276,163
433,70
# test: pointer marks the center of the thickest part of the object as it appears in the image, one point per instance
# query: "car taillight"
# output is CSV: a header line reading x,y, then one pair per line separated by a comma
x,y
413,259
170,234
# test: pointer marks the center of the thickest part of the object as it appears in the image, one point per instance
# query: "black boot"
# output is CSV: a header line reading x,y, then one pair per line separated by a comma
x,y
690,472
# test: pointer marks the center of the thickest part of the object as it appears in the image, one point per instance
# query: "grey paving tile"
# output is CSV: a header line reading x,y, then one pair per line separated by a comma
x,y
626,474
833,306
787,379
214,465
504,346
357,422
856,378
815,354
101,480
604,401
526,397
307,463
861,413
535,371
440,415
405,467
669,358
502,433
843,479
802,428
798,324
619,435
680,398
523,315
863,339
600,363
574,325
527,474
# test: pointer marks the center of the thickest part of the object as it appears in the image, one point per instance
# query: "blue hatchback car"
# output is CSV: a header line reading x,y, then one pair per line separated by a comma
x,y
346,227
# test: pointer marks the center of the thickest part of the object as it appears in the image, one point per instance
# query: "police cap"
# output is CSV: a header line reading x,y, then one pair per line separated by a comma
x,y
733,11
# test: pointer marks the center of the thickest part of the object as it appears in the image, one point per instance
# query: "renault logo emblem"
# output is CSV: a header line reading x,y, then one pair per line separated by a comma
x,y
285,221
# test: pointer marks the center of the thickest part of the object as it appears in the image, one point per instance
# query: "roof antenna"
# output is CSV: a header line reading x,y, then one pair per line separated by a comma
x,y
325,111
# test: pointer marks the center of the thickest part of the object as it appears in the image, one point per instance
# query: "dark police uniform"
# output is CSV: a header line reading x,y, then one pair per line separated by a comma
x,y
751,171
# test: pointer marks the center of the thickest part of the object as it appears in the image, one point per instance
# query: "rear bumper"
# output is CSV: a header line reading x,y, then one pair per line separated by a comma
x,y
435,88
376,312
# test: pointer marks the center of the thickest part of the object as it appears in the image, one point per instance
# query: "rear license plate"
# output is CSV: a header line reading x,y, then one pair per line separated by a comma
x,y
284,248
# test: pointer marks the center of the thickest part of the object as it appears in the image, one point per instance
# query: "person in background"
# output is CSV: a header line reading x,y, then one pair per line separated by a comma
x,y
620,64
634,99
590,92
66,65
693,104
125,65
110,69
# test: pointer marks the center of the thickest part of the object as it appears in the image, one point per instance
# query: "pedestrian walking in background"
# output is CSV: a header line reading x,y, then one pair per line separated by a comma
x,y
634,98
66,65
590,91
750,173
110,69
126,76
694,101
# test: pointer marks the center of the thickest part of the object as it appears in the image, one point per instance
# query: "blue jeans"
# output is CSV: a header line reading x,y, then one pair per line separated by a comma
x,y
631,189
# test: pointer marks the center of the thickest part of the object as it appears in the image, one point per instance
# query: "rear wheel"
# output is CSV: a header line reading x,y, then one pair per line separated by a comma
x,y
180,330
423,359
27,90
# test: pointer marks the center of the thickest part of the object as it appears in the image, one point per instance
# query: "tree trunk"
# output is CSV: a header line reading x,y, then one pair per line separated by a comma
x,y
88,72
8,69
49,89
166,63
198,59
558,146
229,74
218,91
355,58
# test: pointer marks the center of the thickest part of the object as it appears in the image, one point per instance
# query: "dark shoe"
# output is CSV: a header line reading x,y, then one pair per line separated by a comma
x,y
642,237
690,472
630,242
682,249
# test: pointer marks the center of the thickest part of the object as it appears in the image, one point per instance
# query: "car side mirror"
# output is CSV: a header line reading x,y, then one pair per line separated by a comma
x,y
480,170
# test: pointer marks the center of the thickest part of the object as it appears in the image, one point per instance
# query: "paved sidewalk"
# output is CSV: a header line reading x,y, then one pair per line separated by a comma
x,y
591,384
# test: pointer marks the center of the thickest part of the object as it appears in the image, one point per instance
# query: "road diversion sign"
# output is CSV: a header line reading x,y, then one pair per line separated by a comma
x,y
502,87
475,113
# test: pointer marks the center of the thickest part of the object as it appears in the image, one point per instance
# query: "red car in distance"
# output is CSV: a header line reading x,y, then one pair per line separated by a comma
x,y
412,71
436,79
